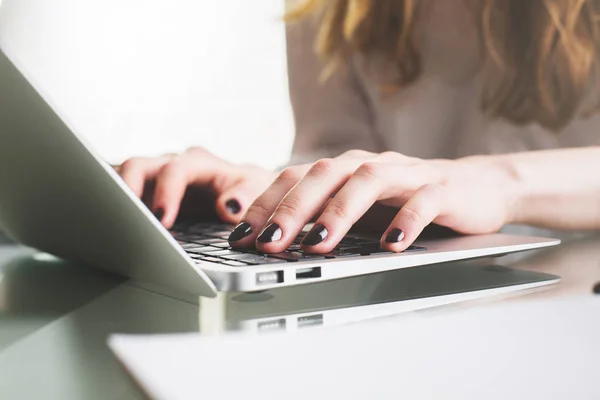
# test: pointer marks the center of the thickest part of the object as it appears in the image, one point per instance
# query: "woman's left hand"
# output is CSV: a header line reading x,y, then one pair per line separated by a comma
x,y
471,195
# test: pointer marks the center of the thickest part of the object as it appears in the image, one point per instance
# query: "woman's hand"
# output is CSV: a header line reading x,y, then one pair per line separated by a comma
x,y
471,195
168,178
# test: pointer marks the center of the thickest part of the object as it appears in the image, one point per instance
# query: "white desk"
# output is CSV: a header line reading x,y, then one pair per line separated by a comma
x,y
55,318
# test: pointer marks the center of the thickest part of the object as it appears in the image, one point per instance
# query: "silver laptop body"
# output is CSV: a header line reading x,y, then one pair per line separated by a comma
x,y
56,195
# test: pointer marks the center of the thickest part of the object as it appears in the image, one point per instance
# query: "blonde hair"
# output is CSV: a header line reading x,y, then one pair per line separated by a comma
x,y
544,54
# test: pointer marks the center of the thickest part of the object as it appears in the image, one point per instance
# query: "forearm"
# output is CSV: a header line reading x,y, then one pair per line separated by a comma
x,y
557,189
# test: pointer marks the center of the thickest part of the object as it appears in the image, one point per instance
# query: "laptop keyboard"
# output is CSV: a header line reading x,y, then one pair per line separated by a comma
x,y
207,242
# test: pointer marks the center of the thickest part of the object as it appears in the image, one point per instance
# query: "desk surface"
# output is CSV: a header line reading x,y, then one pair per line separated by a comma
x,y
55,316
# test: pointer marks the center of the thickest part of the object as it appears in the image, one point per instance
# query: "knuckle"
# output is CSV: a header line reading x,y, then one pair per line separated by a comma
x,y
174,165
390,155
337,209
290,207
131,164
356,153
260,210
195,150
322,167
176,168
411,214
369,170
290,174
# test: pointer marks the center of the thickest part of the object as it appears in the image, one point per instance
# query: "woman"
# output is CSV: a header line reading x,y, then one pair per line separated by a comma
x,y
453,111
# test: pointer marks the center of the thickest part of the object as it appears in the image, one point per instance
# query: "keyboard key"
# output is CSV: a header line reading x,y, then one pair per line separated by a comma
x,y
221,246
287,256
415,248
209,259
221,253
219,234
350,240
205,250
339,253
309,256
211,241
297,256
369,243
343,246
201,249
370,250
235,263
255,259
189,238
192,246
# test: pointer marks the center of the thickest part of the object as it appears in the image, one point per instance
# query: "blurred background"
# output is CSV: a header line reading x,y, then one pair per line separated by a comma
x,y
143,77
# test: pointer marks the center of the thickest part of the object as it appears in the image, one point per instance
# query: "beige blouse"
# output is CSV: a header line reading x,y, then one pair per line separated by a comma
x,y
437,116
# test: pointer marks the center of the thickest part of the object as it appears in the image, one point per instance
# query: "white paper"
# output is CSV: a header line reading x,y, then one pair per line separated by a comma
x,y
512,350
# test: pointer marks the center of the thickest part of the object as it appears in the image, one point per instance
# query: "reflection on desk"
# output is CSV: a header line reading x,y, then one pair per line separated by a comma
x,y
577,262
374,296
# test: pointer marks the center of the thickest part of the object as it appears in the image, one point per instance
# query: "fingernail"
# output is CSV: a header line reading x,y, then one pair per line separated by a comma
x,y
395,236
316,235
240,232
271,233
233,206
159,213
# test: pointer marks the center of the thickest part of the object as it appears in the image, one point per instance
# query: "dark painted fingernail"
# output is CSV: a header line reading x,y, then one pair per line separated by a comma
x,y
271,233
395,236
240,232
159,213
316,235
597,288
233,206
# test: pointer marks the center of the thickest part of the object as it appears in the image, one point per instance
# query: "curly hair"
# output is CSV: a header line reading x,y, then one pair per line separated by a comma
x,y
541,56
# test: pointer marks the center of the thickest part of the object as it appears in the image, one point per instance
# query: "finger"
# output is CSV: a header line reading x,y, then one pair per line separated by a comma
x,y
305,200
233,203
369,183
420,210
174,178
137,171
245,234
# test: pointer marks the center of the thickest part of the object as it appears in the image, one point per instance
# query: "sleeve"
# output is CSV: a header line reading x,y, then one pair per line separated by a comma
x,y
331,116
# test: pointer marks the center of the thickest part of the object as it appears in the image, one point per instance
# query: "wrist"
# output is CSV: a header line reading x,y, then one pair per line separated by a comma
x,y
513,186
504,172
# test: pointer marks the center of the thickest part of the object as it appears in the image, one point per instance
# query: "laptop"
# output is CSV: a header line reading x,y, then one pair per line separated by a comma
x,y
58,196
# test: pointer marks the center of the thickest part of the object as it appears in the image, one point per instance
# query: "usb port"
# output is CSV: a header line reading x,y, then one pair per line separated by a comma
x,y
308,273
310,320
272,325
269,278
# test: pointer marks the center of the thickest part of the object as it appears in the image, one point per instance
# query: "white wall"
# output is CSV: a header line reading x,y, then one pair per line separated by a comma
x,y
151,76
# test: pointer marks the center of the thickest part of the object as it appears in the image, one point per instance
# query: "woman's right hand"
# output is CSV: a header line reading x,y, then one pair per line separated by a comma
x,y
169,177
